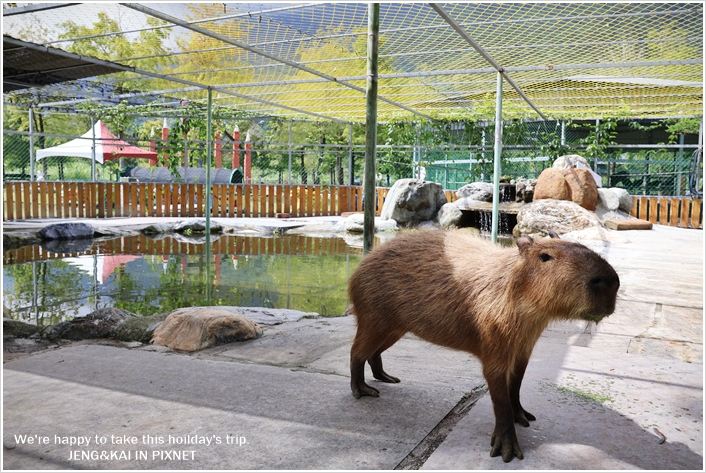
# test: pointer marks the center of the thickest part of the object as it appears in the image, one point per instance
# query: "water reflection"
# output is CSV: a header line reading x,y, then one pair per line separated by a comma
x,y
148,276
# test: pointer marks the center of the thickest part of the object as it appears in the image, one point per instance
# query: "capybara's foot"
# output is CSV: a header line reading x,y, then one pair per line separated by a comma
x,y
505,443
363,389
386,378
523,417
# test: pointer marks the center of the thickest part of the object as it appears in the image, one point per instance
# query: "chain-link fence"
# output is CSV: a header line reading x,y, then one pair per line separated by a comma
x,y
528,149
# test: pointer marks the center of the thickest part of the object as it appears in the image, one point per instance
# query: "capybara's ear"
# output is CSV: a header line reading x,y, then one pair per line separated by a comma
x,y
524,242
553,234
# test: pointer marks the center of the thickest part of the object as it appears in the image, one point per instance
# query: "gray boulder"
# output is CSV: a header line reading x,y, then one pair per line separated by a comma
x,y
450,215
15,329
608,199
157,229
413,200
482,191
99,324
561,216
197,225
66,231
524,189
14,240
354,224
139,329
625,199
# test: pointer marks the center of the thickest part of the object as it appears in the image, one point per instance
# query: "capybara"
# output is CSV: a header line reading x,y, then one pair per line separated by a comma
x,y
455,289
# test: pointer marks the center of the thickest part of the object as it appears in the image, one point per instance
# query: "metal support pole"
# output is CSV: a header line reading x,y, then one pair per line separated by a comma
x,y
289,179
563,132
371,105
497,153
209,153
595,160
679,176
93,150
351,177
31,144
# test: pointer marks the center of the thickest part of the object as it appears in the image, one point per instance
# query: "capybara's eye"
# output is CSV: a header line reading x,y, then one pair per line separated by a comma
x,y
544,257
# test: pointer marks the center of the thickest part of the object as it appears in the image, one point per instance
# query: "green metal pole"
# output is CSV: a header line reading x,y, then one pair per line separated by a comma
x,y
209,143
371,113
497,152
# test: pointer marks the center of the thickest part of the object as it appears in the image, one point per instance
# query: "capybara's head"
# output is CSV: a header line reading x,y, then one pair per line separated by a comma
x,y
565,279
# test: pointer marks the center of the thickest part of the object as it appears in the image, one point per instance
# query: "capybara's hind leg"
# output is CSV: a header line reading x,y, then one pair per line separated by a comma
x,y
363,348
515,381
375,361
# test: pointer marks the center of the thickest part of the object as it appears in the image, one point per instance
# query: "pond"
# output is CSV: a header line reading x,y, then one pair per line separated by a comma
x,y
147,276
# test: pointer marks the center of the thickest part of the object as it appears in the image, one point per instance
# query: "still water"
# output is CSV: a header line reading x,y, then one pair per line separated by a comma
x,y
147,276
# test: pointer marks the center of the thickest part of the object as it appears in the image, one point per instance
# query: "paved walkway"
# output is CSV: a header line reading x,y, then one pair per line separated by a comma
x,y
283,401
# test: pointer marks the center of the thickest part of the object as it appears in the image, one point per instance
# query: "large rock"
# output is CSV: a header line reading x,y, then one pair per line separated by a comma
x,y
550,185
139,329
581,187
99,324
261,315
482,191
15,329
524,189
608,199
66,231
561,216
192,330
354,224
595,234
14,240
626,201
197,225
413,200
450,215
569,161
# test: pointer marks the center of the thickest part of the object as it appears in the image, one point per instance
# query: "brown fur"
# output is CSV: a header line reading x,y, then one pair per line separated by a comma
x,y
459,291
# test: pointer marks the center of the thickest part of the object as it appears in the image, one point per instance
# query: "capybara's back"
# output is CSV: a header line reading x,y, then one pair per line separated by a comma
x,y
458,290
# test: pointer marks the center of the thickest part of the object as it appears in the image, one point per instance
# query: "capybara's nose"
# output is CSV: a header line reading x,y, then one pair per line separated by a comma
x,y
605,283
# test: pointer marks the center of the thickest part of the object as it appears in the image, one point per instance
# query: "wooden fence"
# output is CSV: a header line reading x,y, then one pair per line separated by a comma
x,y
672,211
24,200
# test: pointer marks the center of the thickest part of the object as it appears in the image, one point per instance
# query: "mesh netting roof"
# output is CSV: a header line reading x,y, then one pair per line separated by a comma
x,y
309,60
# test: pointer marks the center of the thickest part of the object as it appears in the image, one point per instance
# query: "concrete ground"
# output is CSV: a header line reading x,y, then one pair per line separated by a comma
x,y
283,401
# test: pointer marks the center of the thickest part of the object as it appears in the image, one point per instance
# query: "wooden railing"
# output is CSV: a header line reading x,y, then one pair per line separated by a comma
x,y
672,211
25,200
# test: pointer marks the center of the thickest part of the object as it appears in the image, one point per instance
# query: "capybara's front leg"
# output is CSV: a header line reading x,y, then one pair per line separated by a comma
x,y
504,440
521,415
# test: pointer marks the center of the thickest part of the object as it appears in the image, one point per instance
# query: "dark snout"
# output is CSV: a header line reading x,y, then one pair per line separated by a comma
x,y
604,289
